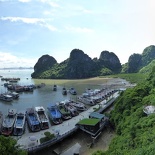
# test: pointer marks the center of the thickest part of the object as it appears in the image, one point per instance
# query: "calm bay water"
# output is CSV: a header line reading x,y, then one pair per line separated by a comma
x,y
42,97
39,97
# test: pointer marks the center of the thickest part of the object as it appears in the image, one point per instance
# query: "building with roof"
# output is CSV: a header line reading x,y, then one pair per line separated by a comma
x,y
94,124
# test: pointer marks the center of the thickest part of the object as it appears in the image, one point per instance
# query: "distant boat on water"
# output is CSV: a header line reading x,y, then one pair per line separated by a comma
x,y
54,87
72,91
6,97
64,91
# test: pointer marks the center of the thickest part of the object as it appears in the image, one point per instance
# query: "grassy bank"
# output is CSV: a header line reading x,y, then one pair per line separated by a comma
x,y
132,78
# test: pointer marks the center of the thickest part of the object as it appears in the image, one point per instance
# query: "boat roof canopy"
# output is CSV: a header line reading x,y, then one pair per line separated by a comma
x,y
96,115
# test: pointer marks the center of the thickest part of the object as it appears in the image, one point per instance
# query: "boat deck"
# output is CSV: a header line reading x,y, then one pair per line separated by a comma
x,y
8,121
19,122
42,117
33,119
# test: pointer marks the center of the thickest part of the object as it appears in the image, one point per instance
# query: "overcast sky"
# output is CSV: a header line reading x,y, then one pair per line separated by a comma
x,y
32,28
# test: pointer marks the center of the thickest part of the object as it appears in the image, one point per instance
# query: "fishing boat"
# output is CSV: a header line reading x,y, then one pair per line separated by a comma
x,y
64,91
14,95
8,122
42,117
6,97
70,107
19,125
86,100
32,120
78,105
64,112
54,113
72,91
55,87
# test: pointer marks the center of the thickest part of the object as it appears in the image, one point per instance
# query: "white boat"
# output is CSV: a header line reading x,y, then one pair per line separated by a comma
x,y
78,105
19,125
6,97
72,91
14,95
42,117
8,122
86,100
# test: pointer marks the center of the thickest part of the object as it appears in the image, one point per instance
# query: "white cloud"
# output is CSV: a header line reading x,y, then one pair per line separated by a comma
x,y
9,60
38,21
52,4
78,29
24,1
24,20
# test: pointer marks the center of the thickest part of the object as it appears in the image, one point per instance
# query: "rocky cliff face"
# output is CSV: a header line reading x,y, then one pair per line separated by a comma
x,y
138,61
44,63
80,65
110,60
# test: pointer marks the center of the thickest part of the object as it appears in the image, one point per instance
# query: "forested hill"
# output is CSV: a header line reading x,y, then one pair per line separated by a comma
x,y
78,65
135,131
137,61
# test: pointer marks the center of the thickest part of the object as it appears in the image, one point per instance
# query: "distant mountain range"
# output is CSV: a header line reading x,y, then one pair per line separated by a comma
x,y
9,68
79,65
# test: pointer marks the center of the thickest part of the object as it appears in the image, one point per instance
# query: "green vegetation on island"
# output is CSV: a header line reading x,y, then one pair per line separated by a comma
x,y
80,66
135,131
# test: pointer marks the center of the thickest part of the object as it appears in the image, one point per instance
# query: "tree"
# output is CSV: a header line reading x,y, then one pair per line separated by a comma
x,y
8,146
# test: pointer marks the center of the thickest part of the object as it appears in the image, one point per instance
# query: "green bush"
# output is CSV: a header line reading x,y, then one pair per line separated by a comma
x,y
48,136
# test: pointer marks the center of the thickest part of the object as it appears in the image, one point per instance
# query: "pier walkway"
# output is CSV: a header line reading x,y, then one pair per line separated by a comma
x,y
31,140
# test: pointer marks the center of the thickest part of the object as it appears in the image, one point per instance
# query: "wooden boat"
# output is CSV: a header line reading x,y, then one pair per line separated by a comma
x,y
8,122
70,107
54,114
19,125
64,112
32,120
42,117
64,91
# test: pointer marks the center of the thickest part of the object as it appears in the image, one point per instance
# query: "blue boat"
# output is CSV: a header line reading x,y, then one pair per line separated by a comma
x,y
32,120
19,125
54,113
